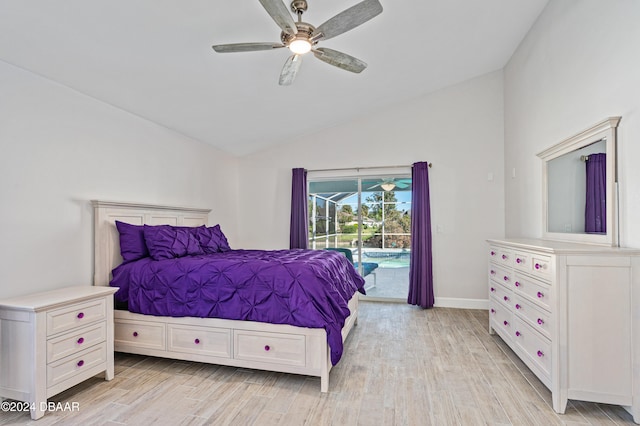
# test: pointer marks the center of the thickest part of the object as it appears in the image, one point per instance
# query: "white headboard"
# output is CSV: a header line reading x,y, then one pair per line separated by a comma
x,y
106,237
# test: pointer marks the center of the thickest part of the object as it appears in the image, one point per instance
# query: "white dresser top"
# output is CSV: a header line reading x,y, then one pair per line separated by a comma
x,y
563,247
59,297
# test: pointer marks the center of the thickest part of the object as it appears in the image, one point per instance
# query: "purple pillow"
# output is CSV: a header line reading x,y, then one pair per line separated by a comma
x,y
168,242
132,243
212,240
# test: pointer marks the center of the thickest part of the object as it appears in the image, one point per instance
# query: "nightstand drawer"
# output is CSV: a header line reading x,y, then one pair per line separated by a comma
x,y
274,348
74,316
65,345
66,368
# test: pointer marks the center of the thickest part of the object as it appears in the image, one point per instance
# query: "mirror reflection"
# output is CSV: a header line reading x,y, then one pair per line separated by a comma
x,y
576,190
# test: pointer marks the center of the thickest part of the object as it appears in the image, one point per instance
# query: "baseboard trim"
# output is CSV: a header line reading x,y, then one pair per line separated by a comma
x,y
439,302
452,302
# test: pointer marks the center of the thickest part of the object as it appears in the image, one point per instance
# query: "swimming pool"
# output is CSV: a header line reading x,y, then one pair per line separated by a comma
x,y
387,258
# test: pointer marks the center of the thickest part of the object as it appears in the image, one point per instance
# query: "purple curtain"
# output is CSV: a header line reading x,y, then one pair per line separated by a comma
x,y
595,217
299,233
421,266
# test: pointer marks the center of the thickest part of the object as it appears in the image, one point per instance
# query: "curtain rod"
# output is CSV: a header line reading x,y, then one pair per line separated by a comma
x,y
361,168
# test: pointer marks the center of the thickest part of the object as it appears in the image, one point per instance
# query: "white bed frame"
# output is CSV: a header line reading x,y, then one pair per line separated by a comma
x,y
247,344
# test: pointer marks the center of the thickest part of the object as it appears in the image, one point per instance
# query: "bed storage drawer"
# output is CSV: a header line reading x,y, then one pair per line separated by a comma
x,y
270,347
70,343
69,317
199,340
150,335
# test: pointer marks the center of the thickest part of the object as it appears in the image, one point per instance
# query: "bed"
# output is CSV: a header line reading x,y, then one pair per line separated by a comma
x,y
169,330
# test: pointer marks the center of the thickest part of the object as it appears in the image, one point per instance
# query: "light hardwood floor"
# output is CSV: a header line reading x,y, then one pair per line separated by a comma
x,y
402,366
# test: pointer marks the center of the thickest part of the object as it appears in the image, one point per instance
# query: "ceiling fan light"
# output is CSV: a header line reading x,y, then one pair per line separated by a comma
x,y
300,46
388,186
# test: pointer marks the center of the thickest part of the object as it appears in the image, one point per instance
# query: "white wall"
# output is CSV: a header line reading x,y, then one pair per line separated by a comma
x,y
578,65
60,149
458,129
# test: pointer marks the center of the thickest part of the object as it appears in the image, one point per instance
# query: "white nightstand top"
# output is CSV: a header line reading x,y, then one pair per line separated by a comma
x,y
60,297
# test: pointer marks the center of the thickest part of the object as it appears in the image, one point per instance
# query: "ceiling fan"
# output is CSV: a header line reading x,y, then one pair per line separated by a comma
x,y
301,37
389,184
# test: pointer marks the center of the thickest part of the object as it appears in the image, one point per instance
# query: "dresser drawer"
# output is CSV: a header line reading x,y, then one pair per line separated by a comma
x,y
501,256
535,291
68,367
537,264
501,293
500,275
500,318
74,316
537,318
522,261
199,340
75,341
535,346
274,348
139,333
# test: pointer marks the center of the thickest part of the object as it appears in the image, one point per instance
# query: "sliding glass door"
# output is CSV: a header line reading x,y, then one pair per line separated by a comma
x,y
371,219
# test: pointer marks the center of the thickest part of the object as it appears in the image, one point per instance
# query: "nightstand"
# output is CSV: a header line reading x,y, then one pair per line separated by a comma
x,y
54,340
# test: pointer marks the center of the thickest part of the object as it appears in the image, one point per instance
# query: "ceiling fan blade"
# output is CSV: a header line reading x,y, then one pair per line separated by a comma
x,y
245,47
402,185
349,19
340,60
281,15
290,70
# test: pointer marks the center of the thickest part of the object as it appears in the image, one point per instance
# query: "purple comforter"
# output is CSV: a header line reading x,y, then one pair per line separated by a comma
x,y
306,288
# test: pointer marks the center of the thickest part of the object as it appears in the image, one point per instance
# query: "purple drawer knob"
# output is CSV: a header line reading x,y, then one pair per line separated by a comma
x,y
506,323
197,341
517,284
517,334
506,278
80,363
493,253
538,266
493,311
518,260
135,334
505,298
518,306
493,272
504,257
493,289
267,348
540,295
80,315
540,354
81,340
540,321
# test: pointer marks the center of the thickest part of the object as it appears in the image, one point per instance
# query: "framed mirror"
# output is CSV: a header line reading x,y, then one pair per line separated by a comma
x,y
579,187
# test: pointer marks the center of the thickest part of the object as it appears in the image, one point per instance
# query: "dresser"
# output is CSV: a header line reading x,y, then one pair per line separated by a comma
x,y
571,312
54,340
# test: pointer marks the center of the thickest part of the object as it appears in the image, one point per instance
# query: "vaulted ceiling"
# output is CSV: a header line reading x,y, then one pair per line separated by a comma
x,y
154,59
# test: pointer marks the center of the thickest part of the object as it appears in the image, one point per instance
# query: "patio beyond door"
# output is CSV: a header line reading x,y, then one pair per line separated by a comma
x,y
370,217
